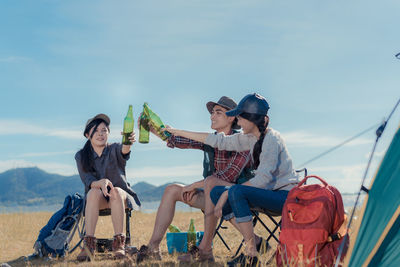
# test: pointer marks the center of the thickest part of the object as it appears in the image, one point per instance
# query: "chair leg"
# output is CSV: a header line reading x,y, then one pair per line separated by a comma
x,y
128,214
219,235
81,233
271,233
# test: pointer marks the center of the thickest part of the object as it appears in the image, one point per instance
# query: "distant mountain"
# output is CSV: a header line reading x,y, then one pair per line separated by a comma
x,y
153,194
33,186
142,187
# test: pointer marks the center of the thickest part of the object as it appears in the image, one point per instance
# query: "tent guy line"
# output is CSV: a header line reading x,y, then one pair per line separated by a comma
x,y
379,133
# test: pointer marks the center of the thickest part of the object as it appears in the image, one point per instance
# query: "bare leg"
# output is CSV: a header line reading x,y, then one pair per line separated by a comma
x,y
210,221
236,225
94,202
165,214
246,229
117,205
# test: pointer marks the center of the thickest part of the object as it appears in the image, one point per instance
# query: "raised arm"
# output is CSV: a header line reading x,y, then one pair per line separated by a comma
x,y
237,142
200,137
127,148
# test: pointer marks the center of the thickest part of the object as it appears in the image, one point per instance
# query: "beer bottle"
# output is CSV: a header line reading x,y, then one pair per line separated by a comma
x,y
173,229
155,122
191,234
128,127
144,129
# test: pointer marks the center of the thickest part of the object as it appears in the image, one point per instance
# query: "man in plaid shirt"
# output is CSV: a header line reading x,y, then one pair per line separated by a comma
x,y
224,169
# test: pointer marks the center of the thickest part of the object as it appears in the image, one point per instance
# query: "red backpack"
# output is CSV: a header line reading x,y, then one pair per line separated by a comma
x,y
313,222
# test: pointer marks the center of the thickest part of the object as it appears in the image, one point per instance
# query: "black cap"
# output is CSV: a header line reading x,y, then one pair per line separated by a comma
x,y
251,103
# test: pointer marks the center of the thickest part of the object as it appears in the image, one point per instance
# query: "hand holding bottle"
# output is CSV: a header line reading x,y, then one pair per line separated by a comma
x,y
150,128
170,130
132,139
155,122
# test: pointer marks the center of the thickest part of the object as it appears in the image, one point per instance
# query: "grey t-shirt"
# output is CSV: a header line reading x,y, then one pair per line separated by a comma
x,y
275,171
111,165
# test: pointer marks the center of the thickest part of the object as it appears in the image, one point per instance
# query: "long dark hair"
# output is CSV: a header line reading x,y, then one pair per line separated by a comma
x,y
259,121
87,159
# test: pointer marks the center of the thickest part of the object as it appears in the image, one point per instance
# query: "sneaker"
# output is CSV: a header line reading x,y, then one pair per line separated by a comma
x,y
196,254
243,260
145,253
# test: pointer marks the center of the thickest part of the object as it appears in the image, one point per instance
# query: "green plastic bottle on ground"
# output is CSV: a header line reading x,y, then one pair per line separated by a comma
x,y
128,127
191,234
174,229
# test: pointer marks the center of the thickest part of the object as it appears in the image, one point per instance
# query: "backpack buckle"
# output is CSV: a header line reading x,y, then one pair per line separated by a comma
x,y
334,237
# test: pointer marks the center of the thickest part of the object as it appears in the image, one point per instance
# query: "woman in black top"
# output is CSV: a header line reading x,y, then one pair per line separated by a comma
x,y
101,167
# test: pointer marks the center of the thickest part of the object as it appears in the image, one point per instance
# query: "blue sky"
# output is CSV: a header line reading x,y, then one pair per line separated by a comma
x,y
326,67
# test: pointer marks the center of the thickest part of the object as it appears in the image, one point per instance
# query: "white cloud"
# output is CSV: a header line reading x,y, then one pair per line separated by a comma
x,y
347,178
58,168
14,127
307,139
166,172
12,164
45,154
377,154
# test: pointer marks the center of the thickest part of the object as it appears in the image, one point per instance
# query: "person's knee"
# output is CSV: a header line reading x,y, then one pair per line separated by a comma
x,y
94,195
215,194
235,191
210,182
173,190
117,194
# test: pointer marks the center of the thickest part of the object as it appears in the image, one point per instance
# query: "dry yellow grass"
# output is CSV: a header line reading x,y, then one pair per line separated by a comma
x,y
18,232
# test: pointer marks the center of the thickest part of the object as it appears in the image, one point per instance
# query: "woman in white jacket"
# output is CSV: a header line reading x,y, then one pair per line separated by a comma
x,y
274,175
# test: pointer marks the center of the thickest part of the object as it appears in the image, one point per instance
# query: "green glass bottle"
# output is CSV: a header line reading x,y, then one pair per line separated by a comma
x,y
128,127
155,122
191,234
144,130
173,229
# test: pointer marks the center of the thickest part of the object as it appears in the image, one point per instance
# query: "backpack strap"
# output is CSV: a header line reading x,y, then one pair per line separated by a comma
x,y
313,176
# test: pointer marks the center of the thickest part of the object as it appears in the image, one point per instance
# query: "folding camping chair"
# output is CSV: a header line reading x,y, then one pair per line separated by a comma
x,y
270,215
105,244
220,226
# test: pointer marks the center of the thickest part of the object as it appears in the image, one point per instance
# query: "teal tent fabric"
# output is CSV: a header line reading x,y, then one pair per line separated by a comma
x,y
381,210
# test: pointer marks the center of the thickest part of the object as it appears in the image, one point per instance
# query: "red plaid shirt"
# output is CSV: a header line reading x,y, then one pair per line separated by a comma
x,y
228,164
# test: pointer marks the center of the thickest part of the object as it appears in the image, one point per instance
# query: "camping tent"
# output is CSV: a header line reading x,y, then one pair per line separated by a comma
x,y
376,240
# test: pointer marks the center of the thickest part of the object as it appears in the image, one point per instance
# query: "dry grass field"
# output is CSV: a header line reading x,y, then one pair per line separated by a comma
x,y
18,232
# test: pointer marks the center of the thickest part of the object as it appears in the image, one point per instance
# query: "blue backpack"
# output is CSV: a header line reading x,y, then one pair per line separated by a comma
x,y
55,236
